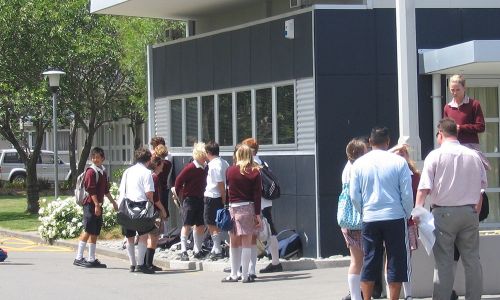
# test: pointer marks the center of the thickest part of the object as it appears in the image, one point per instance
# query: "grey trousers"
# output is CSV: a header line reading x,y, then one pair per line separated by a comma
x,y
456,225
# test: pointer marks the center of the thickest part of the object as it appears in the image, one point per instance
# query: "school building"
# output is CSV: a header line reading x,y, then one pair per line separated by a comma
x,y
304,77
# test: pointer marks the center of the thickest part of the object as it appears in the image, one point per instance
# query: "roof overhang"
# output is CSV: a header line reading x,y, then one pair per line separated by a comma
x,y
480,57
171,9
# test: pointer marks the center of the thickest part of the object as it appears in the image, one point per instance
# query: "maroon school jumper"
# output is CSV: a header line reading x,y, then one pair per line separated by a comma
x,y
470,118
244,187
99,188
192,181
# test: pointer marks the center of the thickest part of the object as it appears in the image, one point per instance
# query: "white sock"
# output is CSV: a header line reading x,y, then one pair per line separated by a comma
x,y
183,243
81,248
235,258
246,255
216,248
91,252
273,246
131,254
165,228
141,253
407,288
253,260
198,240
354,281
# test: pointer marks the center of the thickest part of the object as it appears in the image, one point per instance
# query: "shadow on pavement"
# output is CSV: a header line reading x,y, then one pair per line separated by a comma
x,y
294,276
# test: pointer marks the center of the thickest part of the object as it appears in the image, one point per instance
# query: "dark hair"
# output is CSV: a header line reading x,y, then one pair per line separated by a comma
x,y
142,155
154,162
97,151
157,140
379,136
448,127
212,148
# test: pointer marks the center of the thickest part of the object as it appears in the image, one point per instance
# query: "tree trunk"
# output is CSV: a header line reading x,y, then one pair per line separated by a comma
x,y
137,140
32,186
86,149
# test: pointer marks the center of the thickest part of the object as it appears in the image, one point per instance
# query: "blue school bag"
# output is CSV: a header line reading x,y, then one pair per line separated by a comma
x,y
3,255
347,216
223,219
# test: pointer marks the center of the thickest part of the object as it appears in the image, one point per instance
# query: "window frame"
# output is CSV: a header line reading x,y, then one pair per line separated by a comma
x,y
233,92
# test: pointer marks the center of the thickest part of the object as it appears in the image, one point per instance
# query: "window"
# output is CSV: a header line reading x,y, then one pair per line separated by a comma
x,y
63,140
265,112
191,121
264,116
176,122
285,114
243,115
207,119
12,158
225,119
47,159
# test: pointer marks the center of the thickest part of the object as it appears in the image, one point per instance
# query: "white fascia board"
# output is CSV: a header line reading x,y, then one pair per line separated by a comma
x,y
97,5
472,52
441,3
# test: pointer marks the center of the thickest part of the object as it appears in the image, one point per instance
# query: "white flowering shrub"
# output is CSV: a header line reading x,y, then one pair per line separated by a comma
x,y
62,218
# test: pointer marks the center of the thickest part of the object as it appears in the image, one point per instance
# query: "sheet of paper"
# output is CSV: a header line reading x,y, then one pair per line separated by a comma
x,y
425,228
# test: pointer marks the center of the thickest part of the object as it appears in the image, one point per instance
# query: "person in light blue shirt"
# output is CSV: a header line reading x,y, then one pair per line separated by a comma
x,y
380,189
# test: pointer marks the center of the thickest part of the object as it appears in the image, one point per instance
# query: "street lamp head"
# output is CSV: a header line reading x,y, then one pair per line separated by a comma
x,y
54,75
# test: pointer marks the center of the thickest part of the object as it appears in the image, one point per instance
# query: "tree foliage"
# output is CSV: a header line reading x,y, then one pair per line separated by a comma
x,y
104,58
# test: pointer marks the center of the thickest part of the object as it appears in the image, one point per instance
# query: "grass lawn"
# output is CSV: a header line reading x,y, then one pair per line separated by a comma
x,y
13,215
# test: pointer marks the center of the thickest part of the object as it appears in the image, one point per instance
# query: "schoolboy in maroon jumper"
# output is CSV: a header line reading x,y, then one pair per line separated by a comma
x,y
92,209
192,180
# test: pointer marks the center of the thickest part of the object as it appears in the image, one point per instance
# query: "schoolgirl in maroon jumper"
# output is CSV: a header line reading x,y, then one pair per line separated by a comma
x,y
244,193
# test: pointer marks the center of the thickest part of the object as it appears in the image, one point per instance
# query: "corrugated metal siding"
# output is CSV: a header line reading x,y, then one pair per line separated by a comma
x,y
162,118
306,124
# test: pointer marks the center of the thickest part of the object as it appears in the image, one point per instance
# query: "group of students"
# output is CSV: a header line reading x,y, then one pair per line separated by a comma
x,y
385,187
206,184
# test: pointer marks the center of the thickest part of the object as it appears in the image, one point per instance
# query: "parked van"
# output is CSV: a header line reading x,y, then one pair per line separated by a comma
x,y
12,168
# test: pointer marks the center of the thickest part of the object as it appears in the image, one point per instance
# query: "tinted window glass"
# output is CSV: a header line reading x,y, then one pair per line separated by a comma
x,y
176,122
12,158
226,119
191,121
264,116
243,115
207,119
285,114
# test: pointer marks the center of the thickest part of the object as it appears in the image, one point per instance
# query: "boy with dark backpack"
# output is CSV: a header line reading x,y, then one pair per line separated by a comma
x,y
96,186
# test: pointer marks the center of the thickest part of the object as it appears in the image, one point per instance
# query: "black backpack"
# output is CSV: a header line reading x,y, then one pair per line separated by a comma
x,y
270,184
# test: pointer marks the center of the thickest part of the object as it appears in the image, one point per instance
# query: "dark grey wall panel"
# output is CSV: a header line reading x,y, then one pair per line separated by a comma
x,y
386,48
480,24
302,54
252,55
240,57
221,63
344,42
159,81
172,72
281,52
188,67
306,224
437,28
260,43
204,64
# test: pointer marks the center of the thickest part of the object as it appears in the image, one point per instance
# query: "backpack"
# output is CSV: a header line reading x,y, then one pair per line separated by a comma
x,y
80,192
3,255
223,219
270,184
289,244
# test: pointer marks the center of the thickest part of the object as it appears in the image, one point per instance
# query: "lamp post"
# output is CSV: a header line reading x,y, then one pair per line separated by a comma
x,y
54,76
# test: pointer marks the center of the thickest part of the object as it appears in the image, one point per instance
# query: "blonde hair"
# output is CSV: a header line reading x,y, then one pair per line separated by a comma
x,y
199,151
161,151
244,159
457,79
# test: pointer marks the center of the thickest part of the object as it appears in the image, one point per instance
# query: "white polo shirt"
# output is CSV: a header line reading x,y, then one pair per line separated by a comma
x,y
216,173
138,180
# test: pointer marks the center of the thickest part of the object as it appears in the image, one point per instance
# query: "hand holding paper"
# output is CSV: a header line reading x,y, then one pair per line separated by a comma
x,y
425,221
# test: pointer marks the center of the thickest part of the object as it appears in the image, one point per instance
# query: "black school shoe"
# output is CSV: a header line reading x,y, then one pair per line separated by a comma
x,y
79,262
184,256
199,255
216,256
454,295
145,269
270,268
95,264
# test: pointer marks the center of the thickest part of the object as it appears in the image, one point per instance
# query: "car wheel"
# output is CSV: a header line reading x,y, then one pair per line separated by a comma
x,y
18,178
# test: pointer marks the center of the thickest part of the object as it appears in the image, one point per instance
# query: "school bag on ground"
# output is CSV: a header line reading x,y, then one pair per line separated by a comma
x,y
289,244
172,237
3,255
270,184
80,192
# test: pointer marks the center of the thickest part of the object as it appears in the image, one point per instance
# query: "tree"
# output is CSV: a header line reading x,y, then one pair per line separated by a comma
x,y
32,38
